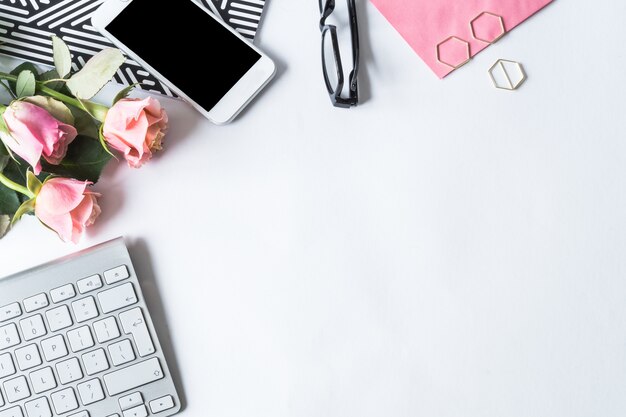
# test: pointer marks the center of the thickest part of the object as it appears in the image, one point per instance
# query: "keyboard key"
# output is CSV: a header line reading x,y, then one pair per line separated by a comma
x,y
62,293
90,392
12,412
118,297
10,311
106,330
69,371
139,411
85,309
88,284
7,367
116,274
33,327
114,415
130,400
42,380
54,348
1,400
59,318
38,408
64,401
9,336
95,362
161,404
80,339
121,352
134,323
80,414
16,389
36,302
28,357
133,376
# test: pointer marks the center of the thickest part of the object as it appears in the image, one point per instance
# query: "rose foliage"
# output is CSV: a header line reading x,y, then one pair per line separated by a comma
x,y
55,141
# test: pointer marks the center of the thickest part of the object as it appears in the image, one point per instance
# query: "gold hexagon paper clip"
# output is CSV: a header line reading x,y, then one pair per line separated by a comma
x,y
493,18
458,40
512,85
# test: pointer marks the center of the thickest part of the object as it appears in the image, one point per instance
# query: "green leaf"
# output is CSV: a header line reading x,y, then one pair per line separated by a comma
x,y
5,225
4,160
9,200
97,111
7,88
57,109
16,171
33,183
103,141
55,85
98,71
26,66
3,150
84,123
125,92
25,85
85,160
62,57
27,206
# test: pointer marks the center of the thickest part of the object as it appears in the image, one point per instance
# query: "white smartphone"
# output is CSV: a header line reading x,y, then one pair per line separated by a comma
x,y
190,50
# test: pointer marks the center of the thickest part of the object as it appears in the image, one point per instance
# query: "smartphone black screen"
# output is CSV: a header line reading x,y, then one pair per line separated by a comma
x,y
177,38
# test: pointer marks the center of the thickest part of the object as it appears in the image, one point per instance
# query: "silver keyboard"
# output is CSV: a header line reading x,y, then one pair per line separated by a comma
x,y
77,340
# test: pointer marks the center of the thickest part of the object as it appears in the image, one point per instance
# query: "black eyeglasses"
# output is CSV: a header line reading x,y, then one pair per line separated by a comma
x,y
326,9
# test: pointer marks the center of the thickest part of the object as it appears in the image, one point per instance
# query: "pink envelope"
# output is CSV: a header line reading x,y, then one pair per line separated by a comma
x,y
446,33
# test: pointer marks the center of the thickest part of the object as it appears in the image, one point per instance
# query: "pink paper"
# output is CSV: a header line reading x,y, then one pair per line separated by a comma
x,y
424,24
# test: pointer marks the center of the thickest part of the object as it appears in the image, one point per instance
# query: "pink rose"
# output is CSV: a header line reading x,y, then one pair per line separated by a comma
x,y
65,206
136,128
35,133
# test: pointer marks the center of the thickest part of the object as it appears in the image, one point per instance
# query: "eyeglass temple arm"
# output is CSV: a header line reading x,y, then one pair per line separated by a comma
x,y
354,30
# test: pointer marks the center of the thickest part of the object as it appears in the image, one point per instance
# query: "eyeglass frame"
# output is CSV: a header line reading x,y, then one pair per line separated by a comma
x,y
326,9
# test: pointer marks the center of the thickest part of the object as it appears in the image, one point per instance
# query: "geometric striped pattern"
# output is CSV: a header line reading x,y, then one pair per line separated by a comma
x,y
27,25
243,15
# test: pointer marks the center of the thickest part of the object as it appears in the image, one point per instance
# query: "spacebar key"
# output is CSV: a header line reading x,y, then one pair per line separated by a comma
x,y
133,376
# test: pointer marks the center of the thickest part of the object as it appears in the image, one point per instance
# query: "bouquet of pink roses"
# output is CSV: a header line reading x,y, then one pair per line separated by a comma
x,y
54,142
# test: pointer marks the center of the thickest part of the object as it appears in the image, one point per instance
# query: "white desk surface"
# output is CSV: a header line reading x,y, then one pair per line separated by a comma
x,y
446,249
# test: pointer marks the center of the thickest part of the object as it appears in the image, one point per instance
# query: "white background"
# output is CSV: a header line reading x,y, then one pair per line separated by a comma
x,y
445,249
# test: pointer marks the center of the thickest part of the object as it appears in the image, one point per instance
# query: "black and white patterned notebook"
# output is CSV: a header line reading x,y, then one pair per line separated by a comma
x,y
26,27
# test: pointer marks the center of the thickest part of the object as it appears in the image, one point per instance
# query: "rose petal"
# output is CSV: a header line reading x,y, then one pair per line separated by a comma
x,y
60,195
36,133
